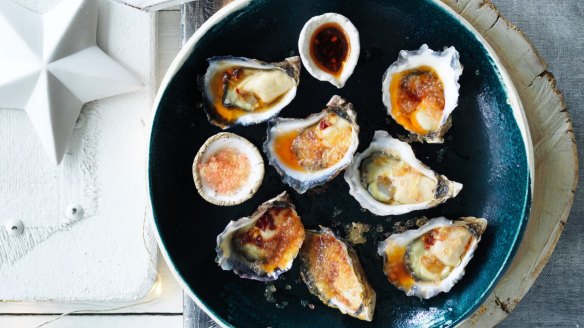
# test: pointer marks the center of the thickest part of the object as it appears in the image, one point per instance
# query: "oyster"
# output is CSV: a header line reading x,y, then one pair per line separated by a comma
x,y
332,271
388,179
431,259
329,48
263,245
243,91
420,91
227,169
312,151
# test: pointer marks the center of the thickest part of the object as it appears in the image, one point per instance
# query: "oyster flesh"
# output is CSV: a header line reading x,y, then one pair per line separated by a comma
x,y
388,179
431,259
312,151
243,91
332,271
263,245
329,48
420,91
228,169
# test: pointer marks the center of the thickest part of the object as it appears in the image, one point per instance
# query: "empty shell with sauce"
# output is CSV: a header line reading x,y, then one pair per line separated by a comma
x,y
388,179
329,48
431,259
263,245
420,91
312,151
332,271
227,169
243,91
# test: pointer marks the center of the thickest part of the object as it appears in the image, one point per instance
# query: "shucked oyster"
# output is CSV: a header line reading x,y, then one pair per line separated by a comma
x,y
312,151
431,259
243,91
263,245
332,271
420,91
329,48
388,179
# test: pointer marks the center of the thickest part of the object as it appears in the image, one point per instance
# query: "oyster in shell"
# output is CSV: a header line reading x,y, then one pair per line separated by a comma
x,y
312,151
263,245
431,259
243,91
332,271
388,179
227,169
420,91
329,48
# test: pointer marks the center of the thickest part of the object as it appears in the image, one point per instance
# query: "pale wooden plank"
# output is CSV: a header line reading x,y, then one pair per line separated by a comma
x,y
93,321
166,297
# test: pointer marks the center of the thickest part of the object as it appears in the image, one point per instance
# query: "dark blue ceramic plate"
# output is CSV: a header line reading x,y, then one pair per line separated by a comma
x,y
486,150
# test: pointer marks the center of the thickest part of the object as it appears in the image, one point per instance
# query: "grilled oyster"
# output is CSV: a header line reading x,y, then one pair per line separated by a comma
x,y
263,245
332,271
312,151
431,259
420,91
243,91
388,179
227,169
329,48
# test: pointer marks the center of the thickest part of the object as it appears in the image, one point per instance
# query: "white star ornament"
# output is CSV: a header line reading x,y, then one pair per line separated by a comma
x,y
50,66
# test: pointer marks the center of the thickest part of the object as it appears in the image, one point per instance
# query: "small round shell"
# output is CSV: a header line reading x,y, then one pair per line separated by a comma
x,y
383,142
447,66
338,79
216,143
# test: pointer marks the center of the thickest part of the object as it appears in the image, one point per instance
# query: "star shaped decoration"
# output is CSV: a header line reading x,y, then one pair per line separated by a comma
x,y
50,65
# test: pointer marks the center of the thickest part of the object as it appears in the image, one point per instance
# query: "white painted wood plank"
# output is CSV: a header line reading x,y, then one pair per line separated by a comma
x,y
92,321
166,297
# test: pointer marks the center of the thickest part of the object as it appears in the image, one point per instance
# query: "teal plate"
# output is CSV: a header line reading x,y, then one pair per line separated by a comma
x,y
486,150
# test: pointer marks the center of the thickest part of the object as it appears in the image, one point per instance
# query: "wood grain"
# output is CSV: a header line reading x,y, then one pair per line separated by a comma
x,y
556,160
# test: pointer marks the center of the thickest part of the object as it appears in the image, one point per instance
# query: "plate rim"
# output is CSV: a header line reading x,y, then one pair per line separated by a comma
x,y
513,99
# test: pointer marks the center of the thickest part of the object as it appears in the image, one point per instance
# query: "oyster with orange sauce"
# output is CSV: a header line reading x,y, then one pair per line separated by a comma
x,y
263,245
420,91
332,271
430,260
312,151
243,91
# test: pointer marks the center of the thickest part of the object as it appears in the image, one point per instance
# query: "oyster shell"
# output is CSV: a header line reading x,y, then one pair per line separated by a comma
x,y
227,169
243,91
332,271
431,259
329,48
388,179
312,151
420,91
263,245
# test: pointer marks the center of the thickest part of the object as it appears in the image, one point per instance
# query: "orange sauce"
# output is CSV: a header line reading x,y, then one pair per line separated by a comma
x,y
283,148
229,114
395,268
329,48
411,87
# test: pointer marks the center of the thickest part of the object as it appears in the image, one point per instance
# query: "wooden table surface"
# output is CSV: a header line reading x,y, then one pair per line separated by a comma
x,y
555,300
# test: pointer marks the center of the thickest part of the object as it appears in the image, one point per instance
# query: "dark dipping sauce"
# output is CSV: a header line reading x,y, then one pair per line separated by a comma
x,y
329,48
